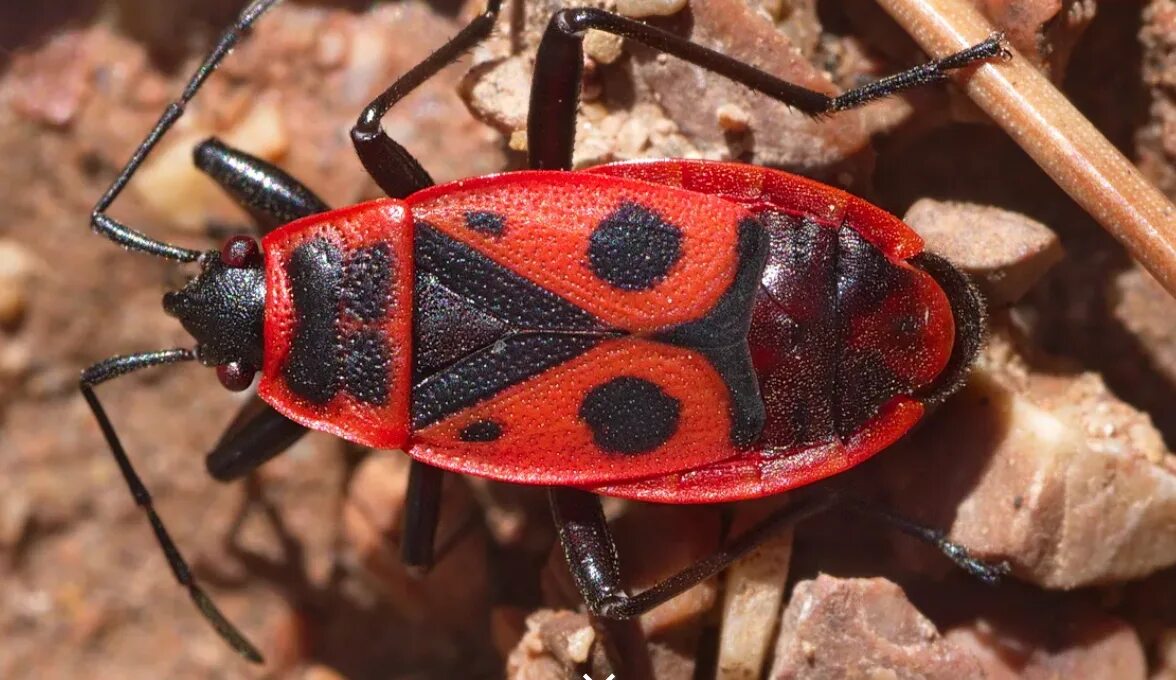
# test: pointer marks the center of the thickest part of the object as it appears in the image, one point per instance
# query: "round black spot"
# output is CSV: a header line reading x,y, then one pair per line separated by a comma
x,y
481,431
634,248
485,222
630,415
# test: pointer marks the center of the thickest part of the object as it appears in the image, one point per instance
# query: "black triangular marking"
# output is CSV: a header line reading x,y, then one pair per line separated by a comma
x,y
447,327
515,300
488,371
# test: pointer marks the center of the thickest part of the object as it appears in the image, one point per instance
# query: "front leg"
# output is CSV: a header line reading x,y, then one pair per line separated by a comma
x,y
390,164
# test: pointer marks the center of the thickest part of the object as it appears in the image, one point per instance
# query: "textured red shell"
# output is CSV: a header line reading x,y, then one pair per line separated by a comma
x,y
338,322
563,233
919,354
538,251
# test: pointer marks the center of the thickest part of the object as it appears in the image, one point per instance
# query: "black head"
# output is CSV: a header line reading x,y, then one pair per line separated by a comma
x,y
223,308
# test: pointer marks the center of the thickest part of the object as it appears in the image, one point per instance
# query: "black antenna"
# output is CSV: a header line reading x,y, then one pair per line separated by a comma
x,y
113,368
117,366
136,240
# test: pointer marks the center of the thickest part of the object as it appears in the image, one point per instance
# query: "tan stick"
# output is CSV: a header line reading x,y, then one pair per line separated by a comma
x,y
1059,138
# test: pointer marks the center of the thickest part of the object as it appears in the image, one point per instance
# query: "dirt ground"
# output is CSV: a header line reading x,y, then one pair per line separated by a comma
x,y
84,591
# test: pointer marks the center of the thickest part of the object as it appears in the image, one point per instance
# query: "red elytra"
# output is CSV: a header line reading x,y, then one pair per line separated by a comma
x,y
590,328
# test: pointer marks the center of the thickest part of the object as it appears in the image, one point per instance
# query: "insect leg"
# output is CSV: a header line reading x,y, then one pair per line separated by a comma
x,y
422,510
270,195
985,571
592,555
256,434
130,238
113,368
555,86
389,163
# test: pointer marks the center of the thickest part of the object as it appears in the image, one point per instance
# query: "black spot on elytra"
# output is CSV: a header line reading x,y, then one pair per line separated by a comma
x,y
365,370
630,415
485,222
367,282
481,431
634,248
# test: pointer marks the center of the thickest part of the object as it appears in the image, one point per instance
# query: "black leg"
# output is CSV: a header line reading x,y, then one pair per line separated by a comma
x,y
113,368
984,571
422,510
270,195
555,85
130,238
592,556
256,434
393,168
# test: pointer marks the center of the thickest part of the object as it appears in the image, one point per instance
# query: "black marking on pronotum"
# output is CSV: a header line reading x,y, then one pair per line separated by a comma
x,y
315,270
496,290
367,282
487,372
630,415
634,247
481,431
485,222
721,336
365,371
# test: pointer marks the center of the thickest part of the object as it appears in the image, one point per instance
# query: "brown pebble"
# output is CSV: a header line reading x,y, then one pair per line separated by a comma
x,y
1005,252
733,118
862,628
18,266
649,8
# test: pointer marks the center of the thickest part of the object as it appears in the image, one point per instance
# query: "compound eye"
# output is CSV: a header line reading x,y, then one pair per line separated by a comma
x,y
234,376
240,251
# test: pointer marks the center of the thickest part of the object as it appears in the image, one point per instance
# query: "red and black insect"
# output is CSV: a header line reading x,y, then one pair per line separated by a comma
x,y
672,331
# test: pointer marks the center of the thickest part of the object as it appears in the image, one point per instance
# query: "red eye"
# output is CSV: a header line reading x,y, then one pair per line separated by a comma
x,y
240,251
234,376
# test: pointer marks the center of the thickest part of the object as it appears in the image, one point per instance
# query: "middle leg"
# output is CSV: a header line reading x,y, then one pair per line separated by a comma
x,y
559,66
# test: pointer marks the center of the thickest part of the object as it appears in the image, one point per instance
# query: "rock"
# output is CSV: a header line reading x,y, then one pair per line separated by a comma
x,y
171,184
733,118
603,48
497,92
1045,31
1165,668
649,8
783,137
1049,471
661,93
1005,252
52,85
1046,641
453,594
864,628
18,268
1157,141
1146,310
556,645
753,592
